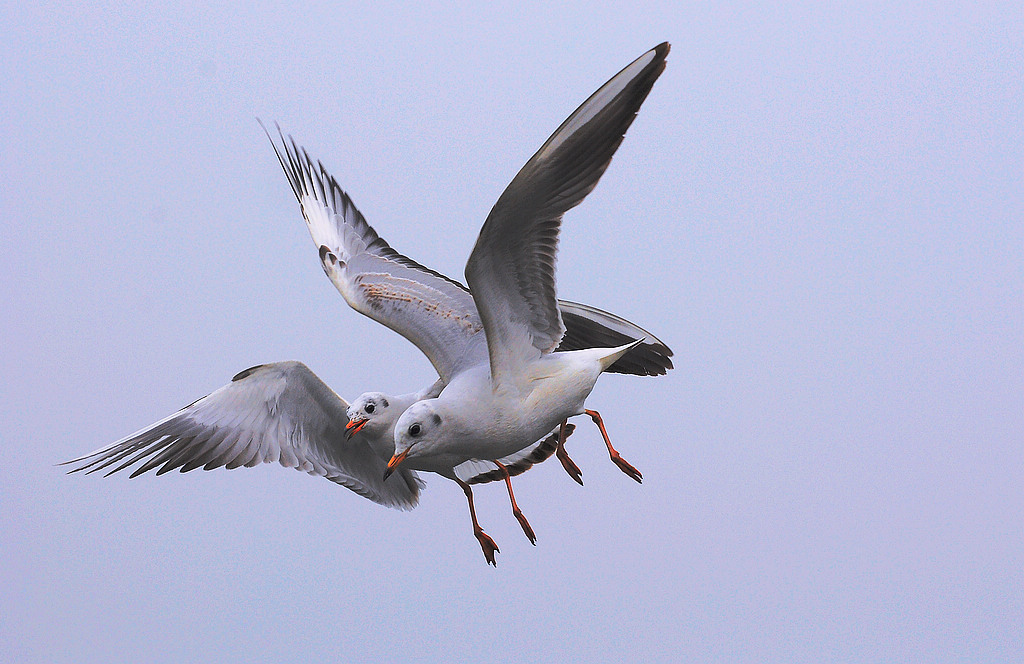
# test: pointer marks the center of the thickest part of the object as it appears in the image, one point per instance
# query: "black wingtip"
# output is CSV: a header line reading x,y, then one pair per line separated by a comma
x,y
292,173
242,374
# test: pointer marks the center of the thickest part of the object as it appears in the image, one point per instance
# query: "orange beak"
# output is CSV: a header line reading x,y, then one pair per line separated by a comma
x,y
395,460
353,427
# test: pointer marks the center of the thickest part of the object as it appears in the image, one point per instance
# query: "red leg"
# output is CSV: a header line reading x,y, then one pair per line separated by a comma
x,y
616,458
516,512
486,543
567,463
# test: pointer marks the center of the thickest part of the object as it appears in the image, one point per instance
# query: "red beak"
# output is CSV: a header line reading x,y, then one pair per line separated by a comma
x,y
395,460
353,427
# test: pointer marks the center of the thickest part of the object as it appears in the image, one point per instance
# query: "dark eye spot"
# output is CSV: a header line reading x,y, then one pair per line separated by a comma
x,y
415,430
384,402
369,407
437,419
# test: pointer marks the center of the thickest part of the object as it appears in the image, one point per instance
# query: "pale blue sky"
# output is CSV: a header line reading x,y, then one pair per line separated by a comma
x,y
820,210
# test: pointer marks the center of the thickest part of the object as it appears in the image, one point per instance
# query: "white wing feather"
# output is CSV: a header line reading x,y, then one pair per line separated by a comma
x,y
279,412
433,312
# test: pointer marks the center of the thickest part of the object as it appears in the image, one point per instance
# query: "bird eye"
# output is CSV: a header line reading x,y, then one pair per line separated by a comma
x,y
369,407
415,430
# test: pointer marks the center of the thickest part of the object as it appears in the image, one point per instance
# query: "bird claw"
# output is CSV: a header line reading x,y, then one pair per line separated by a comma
x,y
627,468
526,526
488,545
570,466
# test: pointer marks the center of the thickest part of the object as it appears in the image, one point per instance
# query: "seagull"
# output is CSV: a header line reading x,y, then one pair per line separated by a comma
x,y
283,412
373,415
497,404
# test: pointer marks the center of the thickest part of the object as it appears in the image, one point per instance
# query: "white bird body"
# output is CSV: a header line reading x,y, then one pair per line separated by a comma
x,y
372,416
505,416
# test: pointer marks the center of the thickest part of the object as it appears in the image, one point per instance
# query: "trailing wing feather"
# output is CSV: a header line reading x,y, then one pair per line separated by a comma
x,y
477,471
279,412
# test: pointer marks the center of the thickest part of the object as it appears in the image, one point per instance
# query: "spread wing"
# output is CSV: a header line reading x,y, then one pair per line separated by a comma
x,y
512,267
433,312
274,412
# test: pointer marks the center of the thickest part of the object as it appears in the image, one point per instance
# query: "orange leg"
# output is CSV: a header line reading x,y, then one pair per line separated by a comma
x,y
616,458
486,543
516,512
567,463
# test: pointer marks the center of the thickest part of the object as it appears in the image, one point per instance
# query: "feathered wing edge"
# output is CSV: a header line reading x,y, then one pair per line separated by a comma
x,y
433,312
309,177
480,472
511,270
280,412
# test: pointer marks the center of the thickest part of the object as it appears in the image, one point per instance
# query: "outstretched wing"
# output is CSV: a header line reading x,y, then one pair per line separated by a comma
x,y
273,412
433,312
511,271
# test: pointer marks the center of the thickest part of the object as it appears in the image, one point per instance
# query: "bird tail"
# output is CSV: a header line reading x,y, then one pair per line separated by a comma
x,y
615,353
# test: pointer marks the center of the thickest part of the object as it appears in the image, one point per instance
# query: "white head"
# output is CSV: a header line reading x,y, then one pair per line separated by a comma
x,y
373,411
418,431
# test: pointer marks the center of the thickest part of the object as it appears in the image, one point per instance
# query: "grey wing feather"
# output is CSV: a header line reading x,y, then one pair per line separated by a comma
x,y
511,269
482,472
279,412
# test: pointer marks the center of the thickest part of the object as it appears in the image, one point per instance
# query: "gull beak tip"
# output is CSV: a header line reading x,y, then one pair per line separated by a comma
x,y
353,427
393,463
